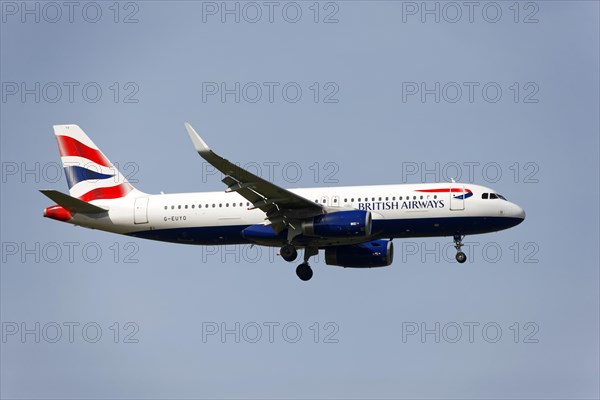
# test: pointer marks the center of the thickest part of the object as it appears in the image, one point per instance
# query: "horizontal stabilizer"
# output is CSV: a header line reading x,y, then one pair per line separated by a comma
x,y
72,204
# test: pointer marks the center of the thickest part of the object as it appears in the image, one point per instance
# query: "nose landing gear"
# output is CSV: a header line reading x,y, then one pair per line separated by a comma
x,y
460,256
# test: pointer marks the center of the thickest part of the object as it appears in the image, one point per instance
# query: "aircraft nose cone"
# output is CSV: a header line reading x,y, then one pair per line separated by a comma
x,y
517,212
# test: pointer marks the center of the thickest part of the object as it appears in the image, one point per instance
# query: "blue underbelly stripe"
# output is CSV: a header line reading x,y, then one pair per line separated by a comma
x,y
397,228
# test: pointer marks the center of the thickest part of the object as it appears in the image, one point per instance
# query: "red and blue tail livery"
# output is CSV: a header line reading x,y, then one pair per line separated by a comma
x,y
353,225
89,173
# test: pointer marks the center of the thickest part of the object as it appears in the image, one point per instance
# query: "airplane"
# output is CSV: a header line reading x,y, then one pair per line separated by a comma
x,y
354,225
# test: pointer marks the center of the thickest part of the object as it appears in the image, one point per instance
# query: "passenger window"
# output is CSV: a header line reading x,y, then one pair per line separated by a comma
x,y
484,196
199,205
179,207
166,207
186,206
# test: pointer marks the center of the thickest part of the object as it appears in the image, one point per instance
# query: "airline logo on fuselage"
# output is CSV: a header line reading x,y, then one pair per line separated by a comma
x,y
400,205
414,204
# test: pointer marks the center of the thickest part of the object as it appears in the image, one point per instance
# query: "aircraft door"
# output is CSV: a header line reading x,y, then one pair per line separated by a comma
x,y
324,200
457,203
140,210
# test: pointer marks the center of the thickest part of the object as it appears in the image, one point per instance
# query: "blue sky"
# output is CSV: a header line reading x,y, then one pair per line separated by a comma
x,y
388,95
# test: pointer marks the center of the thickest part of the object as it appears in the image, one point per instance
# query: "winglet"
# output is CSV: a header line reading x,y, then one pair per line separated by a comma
x,y
199,144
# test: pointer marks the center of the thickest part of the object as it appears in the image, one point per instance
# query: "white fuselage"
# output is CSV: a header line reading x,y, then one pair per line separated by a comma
x,y
397,211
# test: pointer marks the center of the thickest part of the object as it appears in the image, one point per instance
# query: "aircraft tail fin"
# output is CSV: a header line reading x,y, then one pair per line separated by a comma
x,y
90,174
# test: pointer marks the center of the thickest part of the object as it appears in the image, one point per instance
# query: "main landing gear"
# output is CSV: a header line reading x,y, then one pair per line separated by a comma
x,y
289,253
304,271
460,256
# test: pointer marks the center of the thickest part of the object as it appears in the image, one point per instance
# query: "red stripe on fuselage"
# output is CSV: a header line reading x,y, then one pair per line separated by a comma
x,y
112,192
453,190
72,147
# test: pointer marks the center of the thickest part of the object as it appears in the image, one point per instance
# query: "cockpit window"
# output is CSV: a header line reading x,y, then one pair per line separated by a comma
x,y
492,196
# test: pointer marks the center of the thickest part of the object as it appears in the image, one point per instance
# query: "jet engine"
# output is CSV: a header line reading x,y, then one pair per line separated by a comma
x,y
339,224
376,253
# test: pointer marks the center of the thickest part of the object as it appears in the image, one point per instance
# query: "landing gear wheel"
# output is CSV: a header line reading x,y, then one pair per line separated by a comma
x,y
288,252
304,271
460,256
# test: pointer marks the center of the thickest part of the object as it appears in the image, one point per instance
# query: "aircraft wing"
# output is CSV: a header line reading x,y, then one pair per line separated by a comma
x,y
281,206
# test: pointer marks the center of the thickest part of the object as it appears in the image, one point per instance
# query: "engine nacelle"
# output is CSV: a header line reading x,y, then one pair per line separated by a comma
x,y
339,224
376,253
